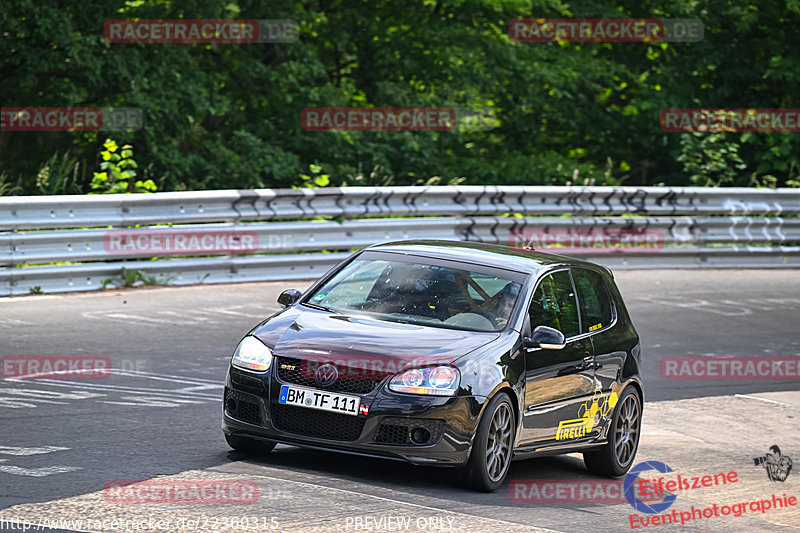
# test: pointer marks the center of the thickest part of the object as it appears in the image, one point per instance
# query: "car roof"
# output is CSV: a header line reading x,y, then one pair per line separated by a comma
x,y
493,255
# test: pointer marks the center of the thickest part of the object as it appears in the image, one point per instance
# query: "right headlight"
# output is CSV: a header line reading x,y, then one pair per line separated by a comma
x,y
435,380
251,354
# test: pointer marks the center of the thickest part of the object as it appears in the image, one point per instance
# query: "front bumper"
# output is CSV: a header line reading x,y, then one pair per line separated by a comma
x,y
251,409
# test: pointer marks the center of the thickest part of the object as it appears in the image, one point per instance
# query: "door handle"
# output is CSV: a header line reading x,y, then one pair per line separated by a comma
x,y
588,362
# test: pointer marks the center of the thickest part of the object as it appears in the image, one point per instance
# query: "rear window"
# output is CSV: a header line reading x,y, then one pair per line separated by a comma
x,y
595,299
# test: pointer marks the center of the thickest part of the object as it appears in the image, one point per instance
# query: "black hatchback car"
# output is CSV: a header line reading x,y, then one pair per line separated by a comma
x,y
445,353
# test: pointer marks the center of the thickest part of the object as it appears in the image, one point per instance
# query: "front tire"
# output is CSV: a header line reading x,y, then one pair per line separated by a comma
x,y
491,453
616,458
248,445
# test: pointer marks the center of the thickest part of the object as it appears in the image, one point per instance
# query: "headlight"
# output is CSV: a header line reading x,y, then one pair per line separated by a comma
x,y
436,380
251,354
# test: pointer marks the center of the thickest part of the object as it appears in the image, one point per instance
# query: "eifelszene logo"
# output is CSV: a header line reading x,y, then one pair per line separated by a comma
x,y
629,488
776,464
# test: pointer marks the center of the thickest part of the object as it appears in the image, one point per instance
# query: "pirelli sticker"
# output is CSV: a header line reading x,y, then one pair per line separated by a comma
x,y
589,414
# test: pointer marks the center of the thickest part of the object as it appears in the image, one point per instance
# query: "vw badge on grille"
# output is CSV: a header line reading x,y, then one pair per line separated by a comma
x,y
326,375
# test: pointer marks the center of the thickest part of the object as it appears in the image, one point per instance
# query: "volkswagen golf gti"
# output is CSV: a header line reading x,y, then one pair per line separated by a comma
x,y
445,353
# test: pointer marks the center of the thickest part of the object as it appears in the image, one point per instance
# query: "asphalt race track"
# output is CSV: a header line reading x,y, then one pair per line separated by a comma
x,y
158,418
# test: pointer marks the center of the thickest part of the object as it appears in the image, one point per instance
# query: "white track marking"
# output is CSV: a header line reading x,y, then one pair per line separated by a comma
x,y
152,401
41,375
33,472
37,298
123,317
15,322
25,398
762,399
192,316
228,311
124,389
37,472
16,450
164,377
38,400
15,404
45,395
188,390
180,316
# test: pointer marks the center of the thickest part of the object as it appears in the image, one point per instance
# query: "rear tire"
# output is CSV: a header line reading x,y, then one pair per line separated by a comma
x,y
492,450
248,445
616,458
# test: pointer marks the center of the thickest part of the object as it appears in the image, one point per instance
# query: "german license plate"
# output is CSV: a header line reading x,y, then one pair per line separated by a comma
x,y
317,399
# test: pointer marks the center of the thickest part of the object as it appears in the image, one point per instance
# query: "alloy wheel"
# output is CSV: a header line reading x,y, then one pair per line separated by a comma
x,y
627,430
498,449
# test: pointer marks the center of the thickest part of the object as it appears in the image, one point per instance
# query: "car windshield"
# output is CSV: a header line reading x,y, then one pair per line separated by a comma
x,y
421,293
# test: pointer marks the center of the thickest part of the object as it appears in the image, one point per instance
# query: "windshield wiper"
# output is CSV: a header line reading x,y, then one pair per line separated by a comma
x,y
320,307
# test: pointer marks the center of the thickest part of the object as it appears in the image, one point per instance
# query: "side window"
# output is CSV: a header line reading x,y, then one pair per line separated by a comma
x,y
594,297
554,305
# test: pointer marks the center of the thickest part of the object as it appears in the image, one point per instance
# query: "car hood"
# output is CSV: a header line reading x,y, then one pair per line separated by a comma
x,y
364,342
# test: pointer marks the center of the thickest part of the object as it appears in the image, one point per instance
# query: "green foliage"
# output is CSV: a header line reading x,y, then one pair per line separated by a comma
x,y
710,159
772,182
59,175
6,189
135,278
227,115
377,177
316,179
119,171
438,180
36,289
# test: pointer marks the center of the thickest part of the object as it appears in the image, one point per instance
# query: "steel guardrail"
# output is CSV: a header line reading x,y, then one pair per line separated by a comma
x,y
67,243
40,212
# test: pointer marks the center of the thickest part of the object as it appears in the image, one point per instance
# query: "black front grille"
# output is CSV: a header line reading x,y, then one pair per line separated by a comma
x,y
314,423
396,430
301,372
242,406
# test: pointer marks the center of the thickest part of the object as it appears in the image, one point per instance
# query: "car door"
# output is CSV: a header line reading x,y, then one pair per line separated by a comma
x,y
609,336
558,383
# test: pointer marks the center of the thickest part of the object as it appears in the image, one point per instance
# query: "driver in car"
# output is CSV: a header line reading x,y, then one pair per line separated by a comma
x,y
505,304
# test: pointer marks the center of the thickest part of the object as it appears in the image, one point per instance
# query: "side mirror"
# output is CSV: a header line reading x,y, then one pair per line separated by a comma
x,y
289,297
546,338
